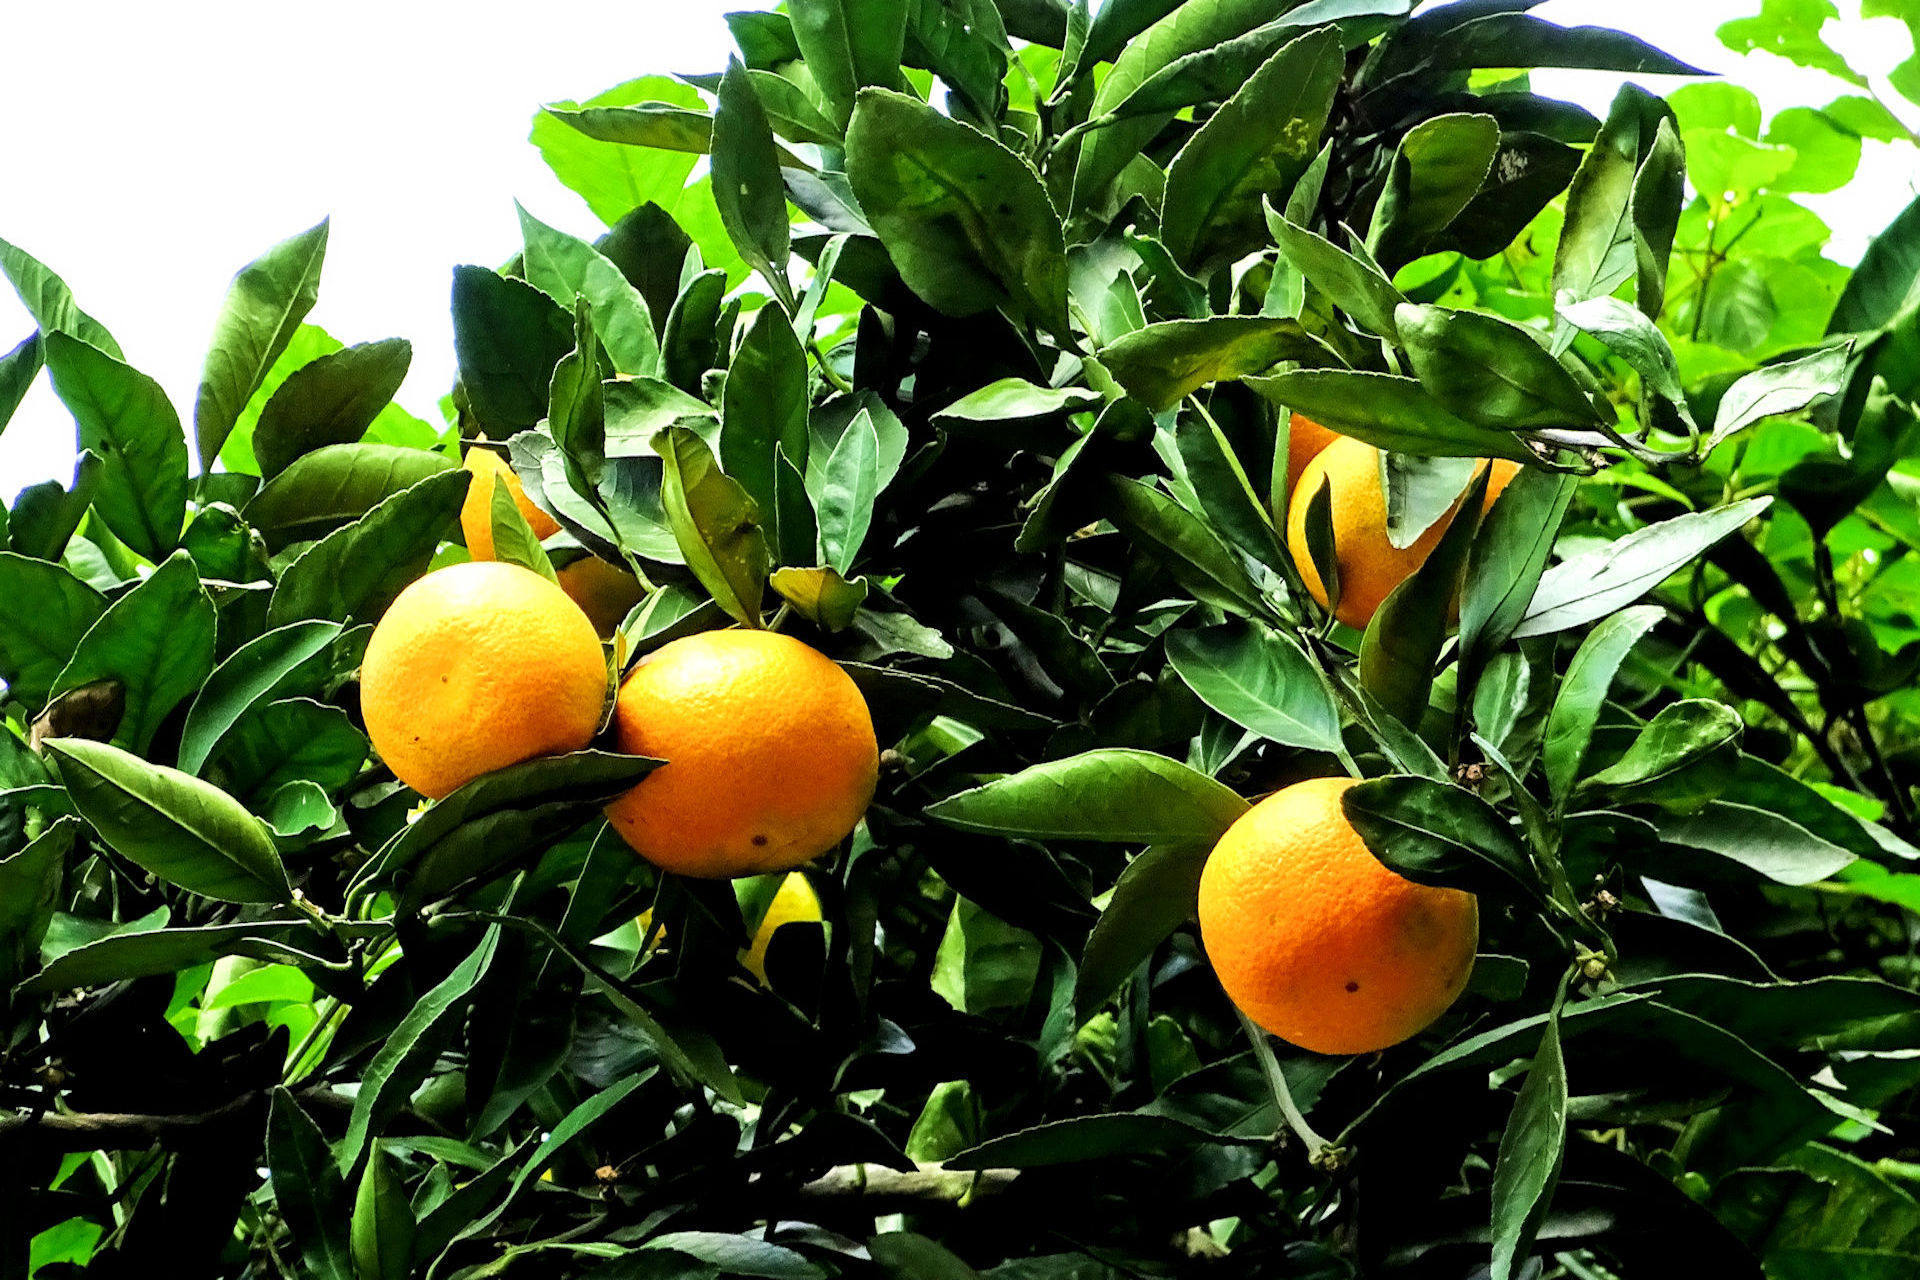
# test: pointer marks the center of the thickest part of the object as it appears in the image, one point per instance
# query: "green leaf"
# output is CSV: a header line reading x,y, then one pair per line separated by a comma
x,y
1256,145
1629,334
1599,243
848,489
1157,893
268,299
1681,735
1531,1149
1188,548
308,1190
1529,171
764,408
738,1255
48,611
1357,287
793,115
716,524
576,409
746,179
156,642
1223,492
381,1234
507,337
1887,281
1595,583
1583,693
1016,398
183,830
966,222
149,950
1790,29
284,741
354,573
332,400
1766,842
514,540
1437,170
1162,363
1780,389
983,963
1507,560
566,270
406,1057
1490,371
615,179
1084,1138
18,368
125,418
30,883
336,485
687,344
1124,796
45,515
907,1256
49,301
1433,832
949,1122
661,126
1261,680
253,674
1403,640
821,595
848,44
1390,412
1420,491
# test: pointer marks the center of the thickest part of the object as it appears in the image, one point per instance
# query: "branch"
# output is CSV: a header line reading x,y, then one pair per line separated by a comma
x,y
880,1190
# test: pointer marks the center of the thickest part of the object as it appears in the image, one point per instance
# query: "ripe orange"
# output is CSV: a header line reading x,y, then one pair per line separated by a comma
x,y
605,593
476,513
1305,439
1316,940
1370,566
771,755
475,667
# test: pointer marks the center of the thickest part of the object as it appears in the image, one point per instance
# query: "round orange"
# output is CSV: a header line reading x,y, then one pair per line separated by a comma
x,y
475,667
476,513
605,593
1370,565
1316,940
771,756
1305,439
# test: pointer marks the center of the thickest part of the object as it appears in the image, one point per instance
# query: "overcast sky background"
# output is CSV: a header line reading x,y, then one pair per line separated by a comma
x,y
156,149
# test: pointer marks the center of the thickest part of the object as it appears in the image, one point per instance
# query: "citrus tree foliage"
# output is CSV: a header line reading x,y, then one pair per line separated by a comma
x,y
968,357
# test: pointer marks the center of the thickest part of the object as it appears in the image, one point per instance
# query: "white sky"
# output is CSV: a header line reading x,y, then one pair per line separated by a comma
x,y
153,150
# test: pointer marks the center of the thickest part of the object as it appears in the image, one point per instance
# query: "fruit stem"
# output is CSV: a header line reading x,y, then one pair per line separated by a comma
x,y
1282,1096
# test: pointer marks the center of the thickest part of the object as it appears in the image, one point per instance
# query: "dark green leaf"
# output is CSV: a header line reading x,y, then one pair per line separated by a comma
x,y
1261,680
45,516
1490,371
332,400
739,1255
1682,734
1433,832
382,1230
793,115
1224,493
849,486
1389,412
1160,364
286,741
1593,584
688,345
1437,170
149,950
1083,1138
507,336
1016,398
567,270
48,611
254,673
156,642
1356,287
716,524
1188,547
336,485
308,1190
1583,692
269,298
1420,491
1508,558
849,44
1777,847
1254,147
1887,281
661,126
1598,249
764,408
355,572
1528,172
1124,796
1403,640
1629,334
1157,893
1531,1149
1659,188
30,882
966,221
181,829
125,418
18,368
746,179
907,1256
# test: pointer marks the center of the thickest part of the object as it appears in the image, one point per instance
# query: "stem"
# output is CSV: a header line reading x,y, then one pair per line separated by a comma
x,y
827,371
1282,1096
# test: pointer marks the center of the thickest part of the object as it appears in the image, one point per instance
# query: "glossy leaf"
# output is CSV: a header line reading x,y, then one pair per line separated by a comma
x,y
48,300
1157,893
746,179
820,595
49,610
1531,1149
567,269
1490,371
764,407
507,337
1192,553
1583,692
381,1234
253,673
156,642
1597,251
269,298
1508,558
309,1190
716,524
848,44
126,419
1682,734
1437,170
1162,363
332,400
1433,832
1357,287
354,573
1123,796
1886,282
146,950
514,541
1261,680
1387,411
1763,841
1778,389
1419,491
336,485
182,829
1403,640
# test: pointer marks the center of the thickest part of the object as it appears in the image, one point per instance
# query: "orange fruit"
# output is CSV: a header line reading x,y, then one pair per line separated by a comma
x,y
606,594
1318,941
794,902
771,756
1305,439
475,667
476,513
1370,566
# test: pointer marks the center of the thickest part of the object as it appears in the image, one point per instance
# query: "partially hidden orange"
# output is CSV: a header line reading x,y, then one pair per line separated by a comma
x,y
1305,439
1319,942
475,667
771,755
476,513
606,594
1370,565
